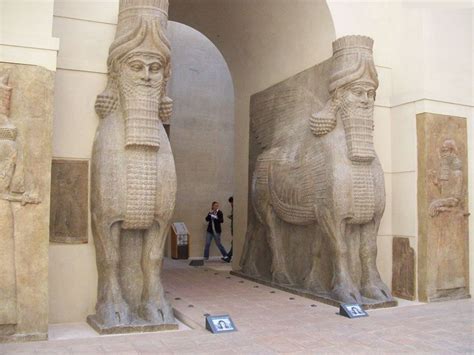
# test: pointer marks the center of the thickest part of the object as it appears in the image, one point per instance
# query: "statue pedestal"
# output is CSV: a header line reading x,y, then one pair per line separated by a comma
x,y
322,297
137,326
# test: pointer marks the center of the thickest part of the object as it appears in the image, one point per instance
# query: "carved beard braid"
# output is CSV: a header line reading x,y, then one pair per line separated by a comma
x,y
141,109
359,128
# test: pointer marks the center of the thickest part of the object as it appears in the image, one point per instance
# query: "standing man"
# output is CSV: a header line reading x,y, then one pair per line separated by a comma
x,y
214,218
228,258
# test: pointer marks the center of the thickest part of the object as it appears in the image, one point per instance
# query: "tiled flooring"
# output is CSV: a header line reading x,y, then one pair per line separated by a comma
x,y
272,321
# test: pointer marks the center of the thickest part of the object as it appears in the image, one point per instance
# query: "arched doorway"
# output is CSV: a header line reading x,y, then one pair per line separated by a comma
x,y
201,131
263,42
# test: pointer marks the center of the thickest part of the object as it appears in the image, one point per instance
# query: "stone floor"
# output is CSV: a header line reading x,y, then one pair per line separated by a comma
x,y
271,321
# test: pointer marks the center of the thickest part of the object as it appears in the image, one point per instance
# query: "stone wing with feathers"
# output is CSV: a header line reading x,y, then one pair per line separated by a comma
x,y
293,172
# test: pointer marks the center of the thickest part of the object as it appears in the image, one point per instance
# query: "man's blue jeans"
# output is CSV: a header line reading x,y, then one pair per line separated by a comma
x,y
217,238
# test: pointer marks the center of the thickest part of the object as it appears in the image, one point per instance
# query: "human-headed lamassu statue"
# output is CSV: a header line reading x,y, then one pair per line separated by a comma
x,y
133,177
325,178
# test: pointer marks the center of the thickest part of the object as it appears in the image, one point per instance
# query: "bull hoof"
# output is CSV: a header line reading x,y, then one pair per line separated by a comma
x,y
377,290
251,270
112,314
346,294
282,278
314,286
157,313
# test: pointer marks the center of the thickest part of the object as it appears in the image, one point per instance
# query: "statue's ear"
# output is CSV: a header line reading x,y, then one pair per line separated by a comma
x,y
324,121
167,73
166,109
107,101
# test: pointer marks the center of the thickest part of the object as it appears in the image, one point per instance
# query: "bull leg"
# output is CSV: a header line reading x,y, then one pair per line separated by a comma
x,y
111,308
248,260
312,282
343,288
154,308
372,285
280,274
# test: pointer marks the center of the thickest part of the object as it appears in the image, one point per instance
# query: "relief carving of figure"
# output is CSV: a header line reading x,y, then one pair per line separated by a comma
x,y
328,177
8,161
449,179
448,226
133,177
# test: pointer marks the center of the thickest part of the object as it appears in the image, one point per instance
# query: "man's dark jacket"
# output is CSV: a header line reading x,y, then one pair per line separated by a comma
x,y
217,222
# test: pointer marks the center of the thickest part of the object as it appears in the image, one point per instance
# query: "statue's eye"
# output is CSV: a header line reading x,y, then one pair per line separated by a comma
x,y
136,66
155,67
357,92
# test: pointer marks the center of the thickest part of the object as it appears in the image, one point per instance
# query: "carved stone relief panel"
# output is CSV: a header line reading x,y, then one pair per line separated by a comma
x,y
442,207
69,198
26,97
403,269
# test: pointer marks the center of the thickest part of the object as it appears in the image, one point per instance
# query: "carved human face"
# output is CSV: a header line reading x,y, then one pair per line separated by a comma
x,y
448,148
7,163
143,70
141,76
356,107
141,83
360,95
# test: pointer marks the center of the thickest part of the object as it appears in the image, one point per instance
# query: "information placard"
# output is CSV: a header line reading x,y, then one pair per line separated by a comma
x,y
220,324
353,310
179,241
180,228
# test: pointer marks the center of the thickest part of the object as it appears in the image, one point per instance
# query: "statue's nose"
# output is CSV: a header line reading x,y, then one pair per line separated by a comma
x,y
146,74
365,97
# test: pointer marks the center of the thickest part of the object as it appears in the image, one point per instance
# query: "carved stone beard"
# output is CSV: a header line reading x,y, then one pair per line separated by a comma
x,y
359,127
449,162
141,104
